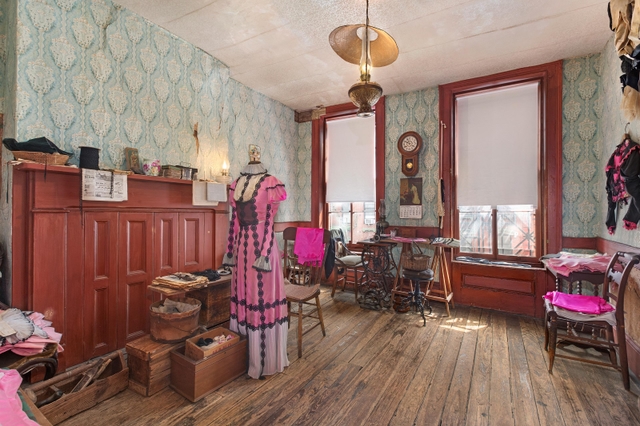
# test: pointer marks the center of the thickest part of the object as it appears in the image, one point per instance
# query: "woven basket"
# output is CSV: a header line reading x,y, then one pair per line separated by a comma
x,y
415,262
54,159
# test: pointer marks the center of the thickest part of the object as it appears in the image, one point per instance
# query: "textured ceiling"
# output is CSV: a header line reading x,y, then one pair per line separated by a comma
x,y
281,48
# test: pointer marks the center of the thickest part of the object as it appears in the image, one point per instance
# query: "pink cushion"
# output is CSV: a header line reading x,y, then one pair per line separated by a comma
x,y
594,305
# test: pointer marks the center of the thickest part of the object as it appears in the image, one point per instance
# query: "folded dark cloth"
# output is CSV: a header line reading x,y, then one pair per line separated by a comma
x,y
212,275
491,262
41,144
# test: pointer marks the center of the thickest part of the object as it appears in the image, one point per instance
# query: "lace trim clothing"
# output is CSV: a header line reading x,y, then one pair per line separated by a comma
x,y
258,300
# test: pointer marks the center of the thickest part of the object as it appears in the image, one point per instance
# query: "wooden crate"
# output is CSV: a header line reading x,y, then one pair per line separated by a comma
x,y
112,381
149,365
194,351
196,379
216,300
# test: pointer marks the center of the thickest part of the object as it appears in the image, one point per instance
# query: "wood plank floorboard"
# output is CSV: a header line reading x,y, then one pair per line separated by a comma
x,y
477,410
477,367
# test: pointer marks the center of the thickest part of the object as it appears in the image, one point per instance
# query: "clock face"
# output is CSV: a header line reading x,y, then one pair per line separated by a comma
x,y
410,143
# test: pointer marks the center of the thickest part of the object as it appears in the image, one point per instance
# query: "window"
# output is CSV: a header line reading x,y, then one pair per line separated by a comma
x,y
350,176
357,220
497,146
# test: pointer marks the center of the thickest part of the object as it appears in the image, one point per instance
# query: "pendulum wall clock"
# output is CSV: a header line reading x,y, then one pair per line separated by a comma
x,y
409,145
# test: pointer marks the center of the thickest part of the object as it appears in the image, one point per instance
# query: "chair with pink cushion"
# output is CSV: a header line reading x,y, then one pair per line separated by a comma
x,y
302,283
604,331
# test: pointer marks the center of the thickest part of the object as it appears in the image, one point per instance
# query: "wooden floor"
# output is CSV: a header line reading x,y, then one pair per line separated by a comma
x,y
381,368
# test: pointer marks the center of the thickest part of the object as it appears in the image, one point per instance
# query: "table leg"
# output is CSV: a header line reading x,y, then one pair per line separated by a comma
x,y
439,266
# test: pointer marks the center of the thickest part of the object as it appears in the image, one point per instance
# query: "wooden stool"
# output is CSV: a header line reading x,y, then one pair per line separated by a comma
x,y
417,297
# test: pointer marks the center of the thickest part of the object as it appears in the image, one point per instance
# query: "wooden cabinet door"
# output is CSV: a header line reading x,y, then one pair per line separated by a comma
x,y
134,275
101,279
191,240
166,243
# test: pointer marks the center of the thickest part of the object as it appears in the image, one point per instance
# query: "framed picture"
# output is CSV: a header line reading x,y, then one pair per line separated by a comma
x,y
411,192
132,160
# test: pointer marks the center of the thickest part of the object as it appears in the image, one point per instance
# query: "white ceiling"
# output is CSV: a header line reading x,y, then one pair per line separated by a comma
x,y
281,48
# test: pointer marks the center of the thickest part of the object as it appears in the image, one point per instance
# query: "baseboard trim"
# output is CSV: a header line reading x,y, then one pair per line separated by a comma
x,y
633,356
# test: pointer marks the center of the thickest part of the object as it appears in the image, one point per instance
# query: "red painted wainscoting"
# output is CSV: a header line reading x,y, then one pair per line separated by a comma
x,y
87,265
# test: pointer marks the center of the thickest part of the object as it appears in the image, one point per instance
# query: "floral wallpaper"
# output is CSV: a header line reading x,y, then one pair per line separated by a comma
x,y
93,73
582,146
612,125
416,111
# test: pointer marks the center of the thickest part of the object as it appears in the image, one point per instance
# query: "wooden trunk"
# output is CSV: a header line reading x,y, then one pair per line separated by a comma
x,y
196,379
149,365
216,300
195,352
112,381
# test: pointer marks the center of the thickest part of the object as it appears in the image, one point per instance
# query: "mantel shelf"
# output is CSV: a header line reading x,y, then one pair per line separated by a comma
x,y
76,171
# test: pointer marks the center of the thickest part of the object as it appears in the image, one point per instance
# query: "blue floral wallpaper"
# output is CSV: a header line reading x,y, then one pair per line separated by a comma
x,y
93,73
582,146
416,111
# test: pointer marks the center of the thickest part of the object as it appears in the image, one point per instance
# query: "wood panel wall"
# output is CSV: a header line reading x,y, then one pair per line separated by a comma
x,y
87,265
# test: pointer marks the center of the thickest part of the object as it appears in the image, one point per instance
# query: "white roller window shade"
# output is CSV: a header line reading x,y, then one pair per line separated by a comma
x,y
497,147
350,155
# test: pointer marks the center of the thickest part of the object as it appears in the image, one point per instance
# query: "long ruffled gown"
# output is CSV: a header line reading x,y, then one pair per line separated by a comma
x,y
258,300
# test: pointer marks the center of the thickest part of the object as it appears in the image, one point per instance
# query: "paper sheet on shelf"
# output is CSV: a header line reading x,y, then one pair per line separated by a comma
x,y
99,185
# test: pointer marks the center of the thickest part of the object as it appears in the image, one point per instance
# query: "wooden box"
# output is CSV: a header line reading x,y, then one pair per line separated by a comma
x,y
196,379
112,381
149,365
216,300
194,351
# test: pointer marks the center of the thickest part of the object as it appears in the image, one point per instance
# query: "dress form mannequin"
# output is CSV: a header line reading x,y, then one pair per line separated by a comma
x,y
258,300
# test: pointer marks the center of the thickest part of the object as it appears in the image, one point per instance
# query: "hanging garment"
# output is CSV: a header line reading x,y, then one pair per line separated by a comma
x,y
309,246
258,300
622,181
634,29
620,17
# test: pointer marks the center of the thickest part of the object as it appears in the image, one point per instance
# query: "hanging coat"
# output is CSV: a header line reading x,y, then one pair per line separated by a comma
x,y
620,18
623,181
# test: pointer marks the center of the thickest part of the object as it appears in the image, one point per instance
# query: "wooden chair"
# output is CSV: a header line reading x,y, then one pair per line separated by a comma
x,y
348,267
302,284
595,331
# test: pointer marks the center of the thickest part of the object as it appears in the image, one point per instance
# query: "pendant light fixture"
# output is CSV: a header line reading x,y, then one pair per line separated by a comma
x,y
367,47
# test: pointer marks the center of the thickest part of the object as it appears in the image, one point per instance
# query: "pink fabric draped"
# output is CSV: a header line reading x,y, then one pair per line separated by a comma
x,y
10,405
409,240
309,246
592,305
34,344
566,264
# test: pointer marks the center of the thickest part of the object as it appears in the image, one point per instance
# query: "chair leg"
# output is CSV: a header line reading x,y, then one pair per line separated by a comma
x,y
546,331
320,315
553,336
289,314
299,329
335,283
356,283
624,363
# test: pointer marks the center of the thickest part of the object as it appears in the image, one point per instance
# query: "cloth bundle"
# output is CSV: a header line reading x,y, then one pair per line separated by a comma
x,y
567,263
309,246
180,280
26,333
592,305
